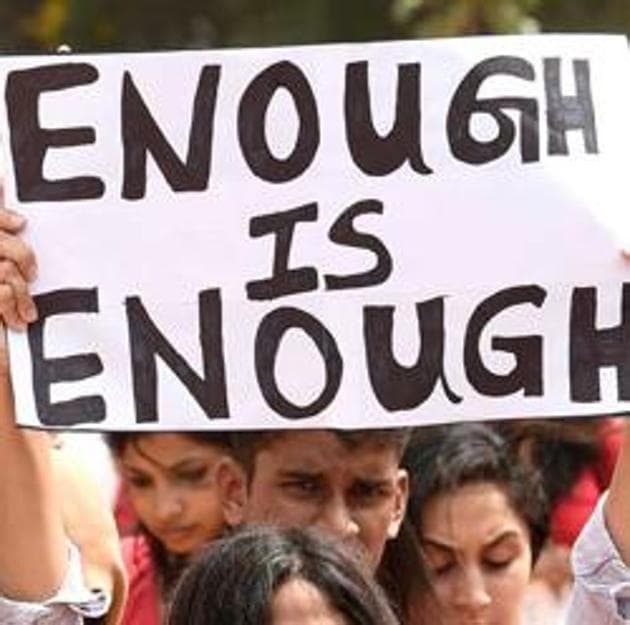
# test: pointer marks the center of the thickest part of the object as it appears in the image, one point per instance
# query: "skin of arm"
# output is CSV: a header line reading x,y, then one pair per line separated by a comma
x,y
33,548
47,499
617,506
90,525
43,501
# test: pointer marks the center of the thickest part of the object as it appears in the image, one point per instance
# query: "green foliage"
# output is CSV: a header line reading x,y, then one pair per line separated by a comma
x,y
435,18
150,24
585,15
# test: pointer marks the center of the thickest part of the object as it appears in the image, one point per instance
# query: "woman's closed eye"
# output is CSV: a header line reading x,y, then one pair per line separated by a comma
x,y
192,476
139,481
497,564
440,560
501,554
443,568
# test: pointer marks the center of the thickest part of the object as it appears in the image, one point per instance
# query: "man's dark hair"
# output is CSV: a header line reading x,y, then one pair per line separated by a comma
x,y
234,580
246,445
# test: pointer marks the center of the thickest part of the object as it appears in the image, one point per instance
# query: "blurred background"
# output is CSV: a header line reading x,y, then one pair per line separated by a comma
x,y
93,25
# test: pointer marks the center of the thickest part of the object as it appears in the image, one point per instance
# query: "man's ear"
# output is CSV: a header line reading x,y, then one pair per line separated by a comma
x,y
231,482
400,503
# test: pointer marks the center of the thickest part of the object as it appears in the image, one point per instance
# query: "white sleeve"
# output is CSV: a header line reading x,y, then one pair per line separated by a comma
x,y
601,594
71,603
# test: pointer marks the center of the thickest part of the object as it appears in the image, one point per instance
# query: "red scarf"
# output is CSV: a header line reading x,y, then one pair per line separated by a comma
x,y
143,602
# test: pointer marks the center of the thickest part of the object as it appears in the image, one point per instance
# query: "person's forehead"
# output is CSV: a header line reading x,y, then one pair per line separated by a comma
x,y
473,513
298,601
322,449
163,451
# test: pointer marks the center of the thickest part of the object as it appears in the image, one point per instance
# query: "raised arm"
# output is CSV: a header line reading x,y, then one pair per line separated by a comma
x,y
33,551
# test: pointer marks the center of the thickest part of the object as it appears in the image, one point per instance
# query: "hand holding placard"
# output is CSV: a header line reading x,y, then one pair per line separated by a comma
x,y
302,206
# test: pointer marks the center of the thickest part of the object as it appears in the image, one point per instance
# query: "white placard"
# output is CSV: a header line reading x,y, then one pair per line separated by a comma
x,y
360,235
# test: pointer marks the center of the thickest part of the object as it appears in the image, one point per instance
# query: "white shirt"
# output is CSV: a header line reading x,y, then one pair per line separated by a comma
x,y
69,606
601,595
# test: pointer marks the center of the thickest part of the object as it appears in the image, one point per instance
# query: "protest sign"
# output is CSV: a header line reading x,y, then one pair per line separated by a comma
x,y
362,235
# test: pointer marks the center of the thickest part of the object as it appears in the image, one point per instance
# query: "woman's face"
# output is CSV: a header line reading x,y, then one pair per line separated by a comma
x,y
300,602
170,479
478,550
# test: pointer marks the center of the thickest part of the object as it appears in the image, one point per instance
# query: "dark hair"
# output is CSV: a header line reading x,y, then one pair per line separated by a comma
x,y
247,444
234,580
559,448
402,571
442,459
118,441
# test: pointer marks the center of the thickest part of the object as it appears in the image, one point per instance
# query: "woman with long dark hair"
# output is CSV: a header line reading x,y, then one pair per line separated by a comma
x,y
480,520
169,481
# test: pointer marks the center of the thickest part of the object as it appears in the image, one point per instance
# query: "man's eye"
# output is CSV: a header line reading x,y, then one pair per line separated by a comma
x,y
302,487
369,491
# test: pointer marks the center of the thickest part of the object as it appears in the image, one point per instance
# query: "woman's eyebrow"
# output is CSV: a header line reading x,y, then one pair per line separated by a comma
x,y
186,463
507,534
177,466
435,543
129,468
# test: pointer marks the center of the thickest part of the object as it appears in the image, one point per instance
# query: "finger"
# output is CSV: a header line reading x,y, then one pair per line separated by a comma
x,y
10,221
4,350
8,308
12,248
24,302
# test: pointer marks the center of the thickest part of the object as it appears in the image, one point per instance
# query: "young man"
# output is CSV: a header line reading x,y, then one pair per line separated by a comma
x,y
348,484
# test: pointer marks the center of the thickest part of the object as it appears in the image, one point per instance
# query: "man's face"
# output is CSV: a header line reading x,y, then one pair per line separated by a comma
x,y
312,479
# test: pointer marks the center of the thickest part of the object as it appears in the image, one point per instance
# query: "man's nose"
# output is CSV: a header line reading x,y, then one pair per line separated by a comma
x,y
336,518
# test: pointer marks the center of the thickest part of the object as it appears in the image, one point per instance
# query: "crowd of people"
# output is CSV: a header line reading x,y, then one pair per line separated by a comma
x,y
443,525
